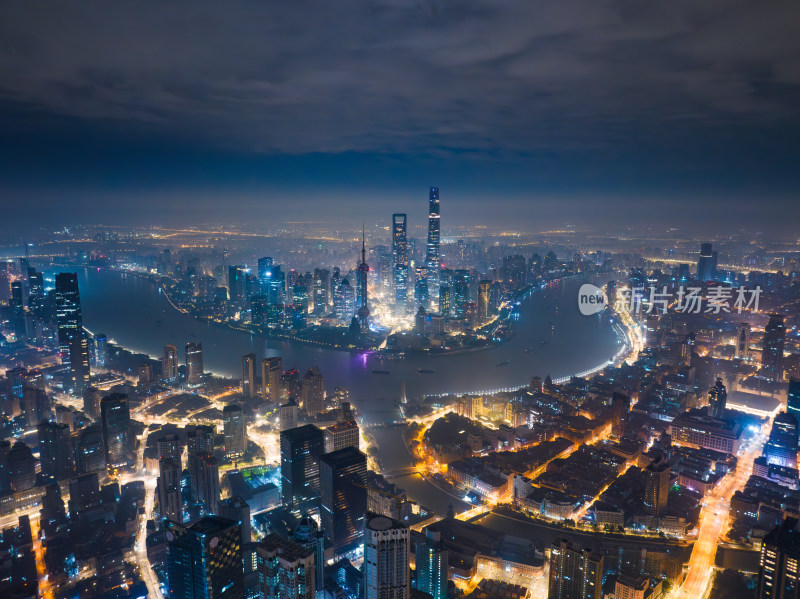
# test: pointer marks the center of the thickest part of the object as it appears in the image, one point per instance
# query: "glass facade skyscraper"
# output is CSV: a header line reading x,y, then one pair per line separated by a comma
x,y
343,497
432,257
204,559
301,449
115,417
72,341
400,257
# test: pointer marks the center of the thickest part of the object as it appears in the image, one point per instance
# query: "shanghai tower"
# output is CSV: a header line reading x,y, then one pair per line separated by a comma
x,y
432,257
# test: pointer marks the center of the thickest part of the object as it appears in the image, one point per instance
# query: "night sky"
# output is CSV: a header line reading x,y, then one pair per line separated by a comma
x,y
530,113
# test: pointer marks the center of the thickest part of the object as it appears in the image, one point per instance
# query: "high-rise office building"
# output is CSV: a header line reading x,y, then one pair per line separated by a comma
x,y
717,400
342,434
656,489
204,559
313,391
200,440
743,341
484,299
780,562
249,375
194,364
235,430
706,263
21,467
84,492
343,497
401,261
431,561
101,350
444,300
237,276
432,256
271,373
286,569
308,534
91,402
204,480
115,417
55,450
575,572
170,447
301,449
620,409
168,488
774,342
90,454
781,447
362,273
321,288
169,364
72,340
237,509
387,574
793,397
287,414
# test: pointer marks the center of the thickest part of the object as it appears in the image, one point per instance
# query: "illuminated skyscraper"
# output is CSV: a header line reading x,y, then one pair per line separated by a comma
x,y
249,375
115,417
313,390
169,363
340,435
194,364
100,350
204,559
322,285
743,341
575,572
706,263
168,488
237,509
235,431
55,450
774,342
780,562
204,479
793,397
444,300
286,568
301,449
307,534
343,497
363,272
400,257
484,299
781,448
432,258
386,558
431,560
287,415
72,341
656,490
620,408
717,400
271,373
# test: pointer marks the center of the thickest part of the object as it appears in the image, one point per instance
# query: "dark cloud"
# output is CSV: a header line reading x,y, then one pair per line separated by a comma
x,y
528,109
398,76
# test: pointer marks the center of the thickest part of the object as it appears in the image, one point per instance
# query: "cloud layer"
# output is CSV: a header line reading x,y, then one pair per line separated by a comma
x,y
396,76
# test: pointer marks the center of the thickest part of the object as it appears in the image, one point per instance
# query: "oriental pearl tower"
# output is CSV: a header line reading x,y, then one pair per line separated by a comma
x,y
363,269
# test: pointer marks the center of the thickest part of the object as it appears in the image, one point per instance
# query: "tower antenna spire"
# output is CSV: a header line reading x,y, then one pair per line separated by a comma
x,y
363,244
